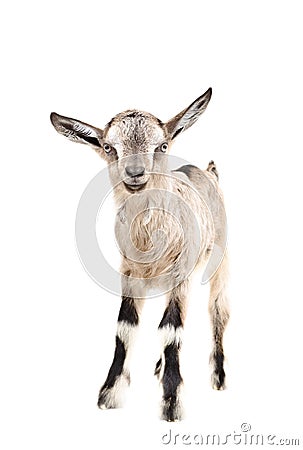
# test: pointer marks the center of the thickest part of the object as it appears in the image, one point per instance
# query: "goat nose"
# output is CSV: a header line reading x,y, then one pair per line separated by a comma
x,y
135,171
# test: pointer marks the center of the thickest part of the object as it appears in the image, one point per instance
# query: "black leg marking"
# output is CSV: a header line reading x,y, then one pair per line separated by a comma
x,y
111,393
218,377
219,373
171,381
171,377
117,364
106,398
172,315
158,368
128,311
170,327
219,318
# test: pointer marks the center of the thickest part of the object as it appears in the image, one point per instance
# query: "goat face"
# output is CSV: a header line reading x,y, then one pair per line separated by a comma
x,y
133,142
134,138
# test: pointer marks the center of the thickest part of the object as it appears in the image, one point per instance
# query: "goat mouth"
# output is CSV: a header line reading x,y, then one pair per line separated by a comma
x,y
134,187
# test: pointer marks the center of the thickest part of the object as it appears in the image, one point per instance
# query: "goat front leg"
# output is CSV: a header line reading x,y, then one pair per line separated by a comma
x,y
170,328
219,315
111,394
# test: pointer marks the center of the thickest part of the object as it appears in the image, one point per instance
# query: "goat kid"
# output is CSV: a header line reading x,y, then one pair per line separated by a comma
x,y
168,222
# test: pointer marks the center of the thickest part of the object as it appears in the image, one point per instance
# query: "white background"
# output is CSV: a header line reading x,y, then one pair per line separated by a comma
x,y
91,60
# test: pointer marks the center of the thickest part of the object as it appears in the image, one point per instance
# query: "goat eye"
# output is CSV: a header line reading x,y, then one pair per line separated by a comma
x,y
107,148
164,147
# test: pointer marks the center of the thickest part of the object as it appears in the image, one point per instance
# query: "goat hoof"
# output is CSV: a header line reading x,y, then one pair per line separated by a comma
x,y
106,400
102,406
218,388
218,381
113,397
172,410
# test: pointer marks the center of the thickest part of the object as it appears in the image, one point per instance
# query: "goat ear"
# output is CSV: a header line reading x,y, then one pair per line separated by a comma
x,y
77,131
188,116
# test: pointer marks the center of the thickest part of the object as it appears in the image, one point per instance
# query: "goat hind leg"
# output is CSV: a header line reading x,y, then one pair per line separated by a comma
x,y
219,315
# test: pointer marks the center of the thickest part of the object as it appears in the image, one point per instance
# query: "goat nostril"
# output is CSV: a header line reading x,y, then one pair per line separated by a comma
x,y
134,171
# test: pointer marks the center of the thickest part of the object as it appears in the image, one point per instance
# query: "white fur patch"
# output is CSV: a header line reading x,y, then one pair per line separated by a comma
x,y
171,335
126,332
114,397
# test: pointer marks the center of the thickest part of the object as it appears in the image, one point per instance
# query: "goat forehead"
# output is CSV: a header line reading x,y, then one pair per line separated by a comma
x,y
135,131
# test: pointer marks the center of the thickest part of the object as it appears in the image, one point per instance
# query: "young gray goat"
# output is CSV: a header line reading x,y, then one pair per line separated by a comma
x,y
168,222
